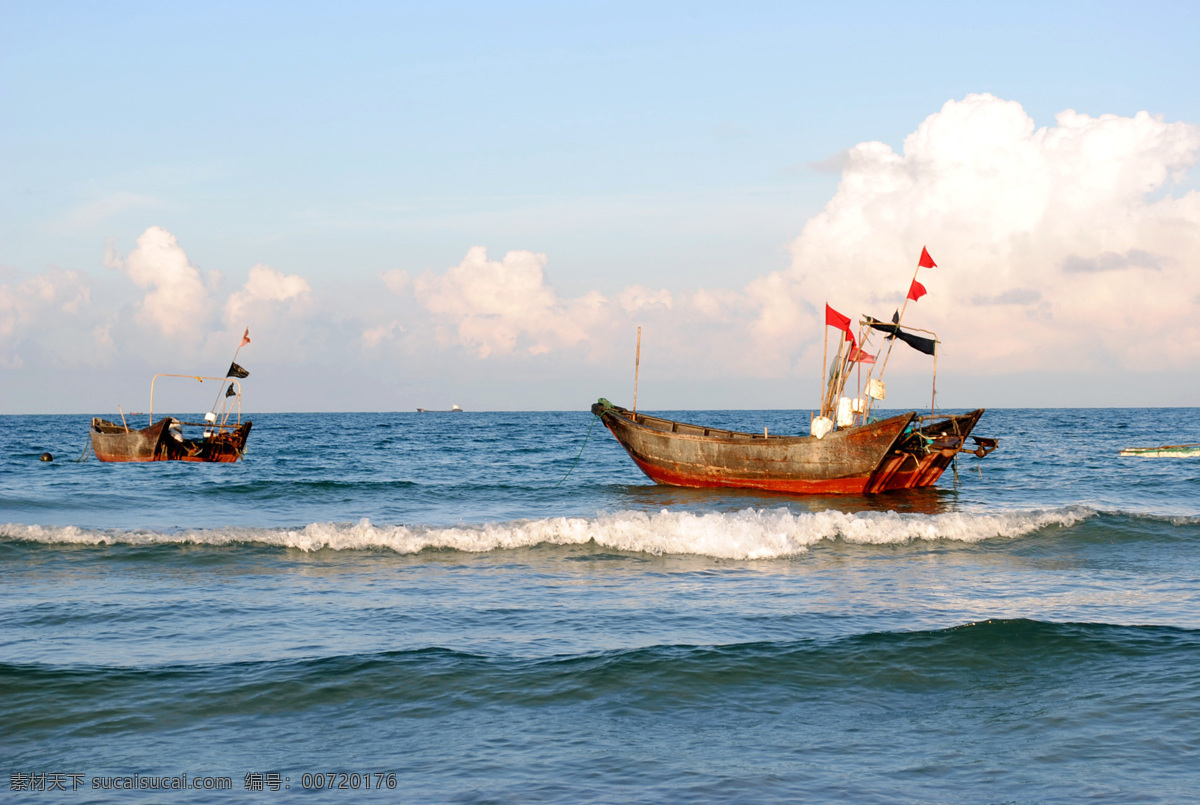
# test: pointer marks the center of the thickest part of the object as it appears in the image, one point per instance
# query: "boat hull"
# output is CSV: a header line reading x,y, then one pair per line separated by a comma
x,y
1165,451
923,455
895,453
679,454
112,442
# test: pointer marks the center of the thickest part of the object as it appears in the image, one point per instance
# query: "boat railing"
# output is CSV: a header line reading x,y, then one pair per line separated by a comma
x,y
201,379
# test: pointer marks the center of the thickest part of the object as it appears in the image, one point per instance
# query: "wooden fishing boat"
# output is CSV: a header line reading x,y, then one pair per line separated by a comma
x,y
220,441
1166,451
847,451
165,441
902,452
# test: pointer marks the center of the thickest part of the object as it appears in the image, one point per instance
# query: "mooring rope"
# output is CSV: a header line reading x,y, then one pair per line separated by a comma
x,y
84,455
585,441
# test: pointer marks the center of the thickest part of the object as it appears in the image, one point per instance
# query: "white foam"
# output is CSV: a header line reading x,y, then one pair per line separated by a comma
x,y
746,534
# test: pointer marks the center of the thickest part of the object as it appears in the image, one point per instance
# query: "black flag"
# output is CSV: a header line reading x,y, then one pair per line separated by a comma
x,y
230,391
236,371
926,345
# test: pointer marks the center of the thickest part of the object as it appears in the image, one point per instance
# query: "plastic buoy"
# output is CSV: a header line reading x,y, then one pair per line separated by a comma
x,y
47,457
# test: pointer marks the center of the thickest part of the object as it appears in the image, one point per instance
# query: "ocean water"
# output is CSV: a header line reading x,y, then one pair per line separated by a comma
x,y
499,607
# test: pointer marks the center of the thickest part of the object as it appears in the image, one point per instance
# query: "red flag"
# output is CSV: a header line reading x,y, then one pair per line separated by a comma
x,y
245,339
835,319
858,356
916,291
926,260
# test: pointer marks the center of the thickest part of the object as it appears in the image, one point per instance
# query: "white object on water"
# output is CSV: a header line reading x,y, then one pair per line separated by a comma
x,y
1166,451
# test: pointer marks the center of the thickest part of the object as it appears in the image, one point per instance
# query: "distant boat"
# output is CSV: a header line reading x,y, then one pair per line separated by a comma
x,y
1166,451
451,410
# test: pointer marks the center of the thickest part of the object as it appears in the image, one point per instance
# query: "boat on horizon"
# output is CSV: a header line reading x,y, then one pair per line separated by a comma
x,y
454,409
1165,451
847,451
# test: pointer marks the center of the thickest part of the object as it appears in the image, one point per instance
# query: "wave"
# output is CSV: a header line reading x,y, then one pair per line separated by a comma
x,y
748,534
999,652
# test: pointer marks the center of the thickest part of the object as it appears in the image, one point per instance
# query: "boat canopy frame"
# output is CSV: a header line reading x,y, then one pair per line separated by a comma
x,y
201,378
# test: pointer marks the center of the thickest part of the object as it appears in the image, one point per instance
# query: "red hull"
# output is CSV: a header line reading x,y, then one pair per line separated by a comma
x,y
897,453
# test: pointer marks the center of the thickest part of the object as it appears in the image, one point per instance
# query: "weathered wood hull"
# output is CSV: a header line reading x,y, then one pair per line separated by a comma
x,y
679,454
895,453
924,454
112,442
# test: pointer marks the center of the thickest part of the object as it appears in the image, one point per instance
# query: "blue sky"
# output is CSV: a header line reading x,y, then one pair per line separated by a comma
x,y
672,147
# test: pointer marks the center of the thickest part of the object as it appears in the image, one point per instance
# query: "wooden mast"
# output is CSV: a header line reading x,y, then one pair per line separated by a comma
x,y
637,364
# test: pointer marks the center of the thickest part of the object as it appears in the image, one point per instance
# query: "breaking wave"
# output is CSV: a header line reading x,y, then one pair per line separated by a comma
x,y
746,534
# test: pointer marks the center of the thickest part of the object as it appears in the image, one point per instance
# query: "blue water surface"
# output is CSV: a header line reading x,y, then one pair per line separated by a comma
x,y
494,607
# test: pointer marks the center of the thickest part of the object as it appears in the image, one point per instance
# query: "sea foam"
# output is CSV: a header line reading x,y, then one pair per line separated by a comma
x,y
745,534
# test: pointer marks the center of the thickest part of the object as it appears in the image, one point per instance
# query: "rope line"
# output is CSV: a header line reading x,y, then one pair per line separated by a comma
x,y
577,457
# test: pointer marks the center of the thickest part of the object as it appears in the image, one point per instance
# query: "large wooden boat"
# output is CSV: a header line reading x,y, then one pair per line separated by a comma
x,y
901,452
847,452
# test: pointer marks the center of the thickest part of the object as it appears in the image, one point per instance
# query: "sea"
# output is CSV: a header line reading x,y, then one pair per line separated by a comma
x,y
499,607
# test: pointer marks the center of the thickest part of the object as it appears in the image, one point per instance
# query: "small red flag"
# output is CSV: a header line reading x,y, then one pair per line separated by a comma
x,y
835,319
245,338
926,260
858,356
916,291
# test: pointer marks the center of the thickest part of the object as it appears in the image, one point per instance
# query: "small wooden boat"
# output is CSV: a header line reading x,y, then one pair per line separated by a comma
x,y
164,441
902,452
1166,451
220,441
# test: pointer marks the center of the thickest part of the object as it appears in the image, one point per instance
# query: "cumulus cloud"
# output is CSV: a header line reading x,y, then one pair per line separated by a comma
x,y
505,306
1065,245
372,337
32,304
177,300
1054,244
635,298
397,281
1111,261
265,290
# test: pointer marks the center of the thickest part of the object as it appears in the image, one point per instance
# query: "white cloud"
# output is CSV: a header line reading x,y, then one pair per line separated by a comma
x,y
396,281
500,306
635,298
372,337
263,292
36,305
24,303
1060,247
1056,246
177,298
